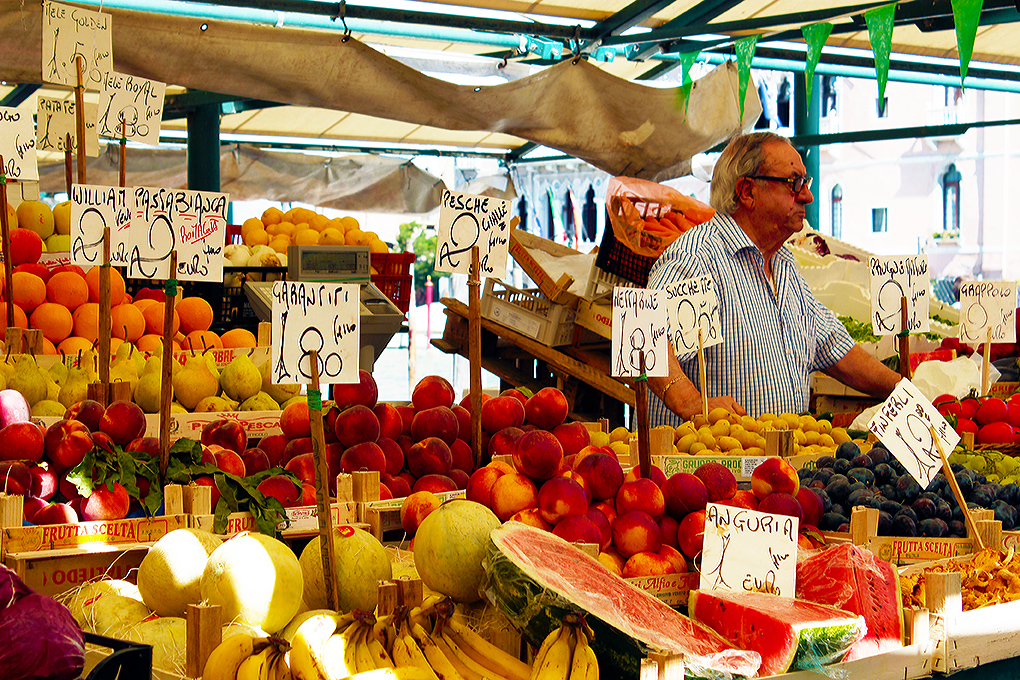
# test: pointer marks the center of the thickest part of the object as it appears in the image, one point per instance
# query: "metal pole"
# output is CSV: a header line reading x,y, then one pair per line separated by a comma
x,y
806,117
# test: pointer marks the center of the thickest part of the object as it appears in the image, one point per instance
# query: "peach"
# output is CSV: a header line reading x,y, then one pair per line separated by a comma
x,y
512,493
147,445
565,471
533,518
282,488
22,441
742,499
589,450
503,442
227,433
394,455
391,425
655,474
691,534
635,532
431,391
640,494
578,529
811,506
438,421
364,392
56,513
780,503
415,508
303,466
307,494
559,497
104,503
429,456
612,561
356,424
774,475
328,421
466,401
647,564
719,481
102,441
435,483
675,557
684,493
255,460
599,519
501,412
384,492
122,421
607,508
295,447
398,486
479,488
294,421
44,482
14,408
462,455
667,530
572,436
228,461
32,505
274,445
459,477
406,416
363,456
521,394
546,409
66,442
463,422
88,411
65,488
15,478
603,474
537,454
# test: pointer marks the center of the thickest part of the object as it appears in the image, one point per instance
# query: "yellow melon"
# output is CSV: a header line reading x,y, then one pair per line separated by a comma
x,y
170,574
361,562
449,546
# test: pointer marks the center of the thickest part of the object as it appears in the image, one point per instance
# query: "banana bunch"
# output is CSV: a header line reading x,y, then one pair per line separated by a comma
x,y
565,653
246,657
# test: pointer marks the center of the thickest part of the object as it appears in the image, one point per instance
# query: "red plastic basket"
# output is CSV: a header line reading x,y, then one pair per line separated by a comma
x,y
392,264
396,288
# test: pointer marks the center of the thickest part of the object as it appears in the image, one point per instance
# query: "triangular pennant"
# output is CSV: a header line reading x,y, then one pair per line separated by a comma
x,y
880,28
815,36
745,53
966,15
686,61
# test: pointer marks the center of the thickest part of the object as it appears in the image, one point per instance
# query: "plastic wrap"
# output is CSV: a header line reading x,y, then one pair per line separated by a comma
x,y
647,216
536,578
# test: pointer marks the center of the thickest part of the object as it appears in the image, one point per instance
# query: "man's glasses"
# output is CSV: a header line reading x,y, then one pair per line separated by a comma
x,y
796,183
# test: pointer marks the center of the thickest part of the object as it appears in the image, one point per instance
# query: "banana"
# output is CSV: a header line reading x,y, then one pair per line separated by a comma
x,y
442,665
485,653
407,653
391,674
583,665
380,657
459,661
363,656
384,631
279,668
553,659
351,636
224,660
314,654
256,666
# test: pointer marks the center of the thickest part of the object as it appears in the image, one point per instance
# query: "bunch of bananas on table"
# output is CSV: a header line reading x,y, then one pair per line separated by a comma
x,y
246,657
565,653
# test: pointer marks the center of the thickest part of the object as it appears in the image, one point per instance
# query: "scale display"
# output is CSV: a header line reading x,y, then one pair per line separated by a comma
x,y
337,264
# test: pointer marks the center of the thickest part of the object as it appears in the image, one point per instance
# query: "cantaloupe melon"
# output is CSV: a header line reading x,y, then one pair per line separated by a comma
x,y
256,579
361,562
168,636
171,572
111,614
449,547
79,599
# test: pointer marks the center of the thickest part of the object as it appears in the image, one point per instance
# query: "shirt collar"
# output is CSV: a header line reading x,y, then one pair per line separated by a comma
x,y
734,239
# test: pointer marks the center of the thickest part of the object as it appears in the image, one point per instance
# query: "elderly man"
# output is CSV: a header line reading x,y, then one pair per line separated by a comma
x,y
775,333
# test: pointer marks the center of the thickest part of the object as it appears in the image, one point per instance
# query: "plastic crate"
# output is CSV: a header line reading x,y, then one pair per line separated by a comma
x,y
392,264
396,288
529,312
616,258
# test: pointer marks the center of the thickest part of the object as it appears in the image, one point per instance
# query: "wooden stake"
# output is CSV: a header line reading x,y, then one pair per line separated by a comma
x,y
204,633
105,316
986,362
475,356
327,552
641,414
123,153
5,235
702,372
68,163
951,478
904,340
166,394
79,118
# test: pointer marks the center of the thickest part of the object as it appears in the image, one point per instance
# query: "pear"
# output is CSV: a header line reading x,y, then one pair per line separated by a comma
x,y
194,382
211,360
124,367
241,378
279,392
296,399
48,408
58,372
175,407
147,391
260,402
215,404
52,386
75,387
29,380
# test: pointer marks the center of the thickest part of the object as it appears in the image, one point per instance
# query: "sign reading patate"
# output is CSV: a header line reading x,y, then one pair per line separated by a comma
x,y
749,551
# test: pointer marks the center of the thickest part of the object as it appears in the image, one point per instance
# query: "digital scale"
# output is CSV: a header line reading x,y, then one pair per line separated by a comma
x,y
379,319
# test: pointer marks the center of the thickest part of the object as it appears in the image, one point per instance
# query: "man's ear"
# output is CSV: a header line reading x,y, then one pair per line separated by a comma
x,y
745,192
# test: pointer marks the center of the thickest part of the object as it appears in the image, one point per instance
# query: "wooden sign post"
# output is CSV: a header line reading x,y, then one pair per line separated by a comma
x,y
702,373
327,552
79,118
475,356
166,382
5,234
904,340
641,414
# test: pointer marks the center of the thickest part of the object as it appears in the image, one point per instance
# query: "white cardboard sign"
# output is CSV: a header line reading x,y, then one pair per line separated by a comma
x,y
749,551
320,316
693,304
130,107
893,278
55,120
468,220
640,323
93,208
987,305
902,424
69,32
17,144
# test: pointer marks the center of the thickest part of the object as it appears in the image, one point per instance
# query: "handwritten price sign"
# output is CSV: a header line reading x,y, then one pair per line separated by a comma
x,y
892,279
191,222
749,551
93,209
693,304
131,107
987,305
469,220
319,316
72,32
17,144
639,324
55,121
902,424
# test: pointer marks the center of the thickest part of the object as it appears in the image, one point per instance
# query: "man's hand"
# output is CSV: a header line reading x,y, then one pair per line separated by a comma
x,y
727,402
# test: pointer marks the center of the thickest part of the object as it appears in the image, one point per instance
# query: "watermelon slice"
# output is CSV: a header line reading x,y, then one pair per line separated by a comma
x,y
853,579
786,632
535,578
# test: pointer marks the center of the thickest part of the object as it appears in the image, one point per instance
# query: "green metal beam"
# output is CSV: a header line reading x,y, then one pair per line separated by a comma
x,y
919,132
179,106
630,16
18,94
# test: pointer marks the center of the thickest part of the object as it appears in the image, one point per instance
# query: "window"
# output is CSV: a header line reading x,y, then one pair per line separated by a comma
x,y
837,211
950,181
879,220
828,95
883,107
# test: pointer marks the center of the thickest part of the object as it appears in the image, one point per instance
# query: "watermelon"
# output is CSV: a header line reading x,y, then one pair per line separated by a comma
x,y
853,579
785,631
535,578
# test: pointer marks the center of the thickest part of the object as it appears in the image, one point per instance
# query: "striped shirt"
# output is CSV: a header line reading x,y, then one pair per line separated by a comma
x,y
773,338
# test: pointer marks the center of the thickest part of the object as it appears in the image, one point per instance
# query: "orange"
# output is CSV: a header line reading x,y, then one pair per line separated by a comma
x,y
350,222
86,321
196,314
29,291
202,340
54,320
250,224
331,236
154,315
238,337
117,287
306,237
20,318
272,216
257,237
150,342
285,228
127,322
67,288
73,344
144,302
48,347
26,246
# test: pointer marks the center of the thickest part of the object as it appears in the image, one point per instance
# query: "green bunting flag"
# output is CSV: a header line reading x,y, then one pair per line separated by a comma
x,y
880,28
745,53
686,61
966,15
815,36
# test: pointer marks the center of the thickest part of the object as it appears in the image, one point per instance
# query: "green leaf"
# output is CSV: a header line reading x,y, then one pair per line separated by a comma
x,y
227,493
81,474
220,517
